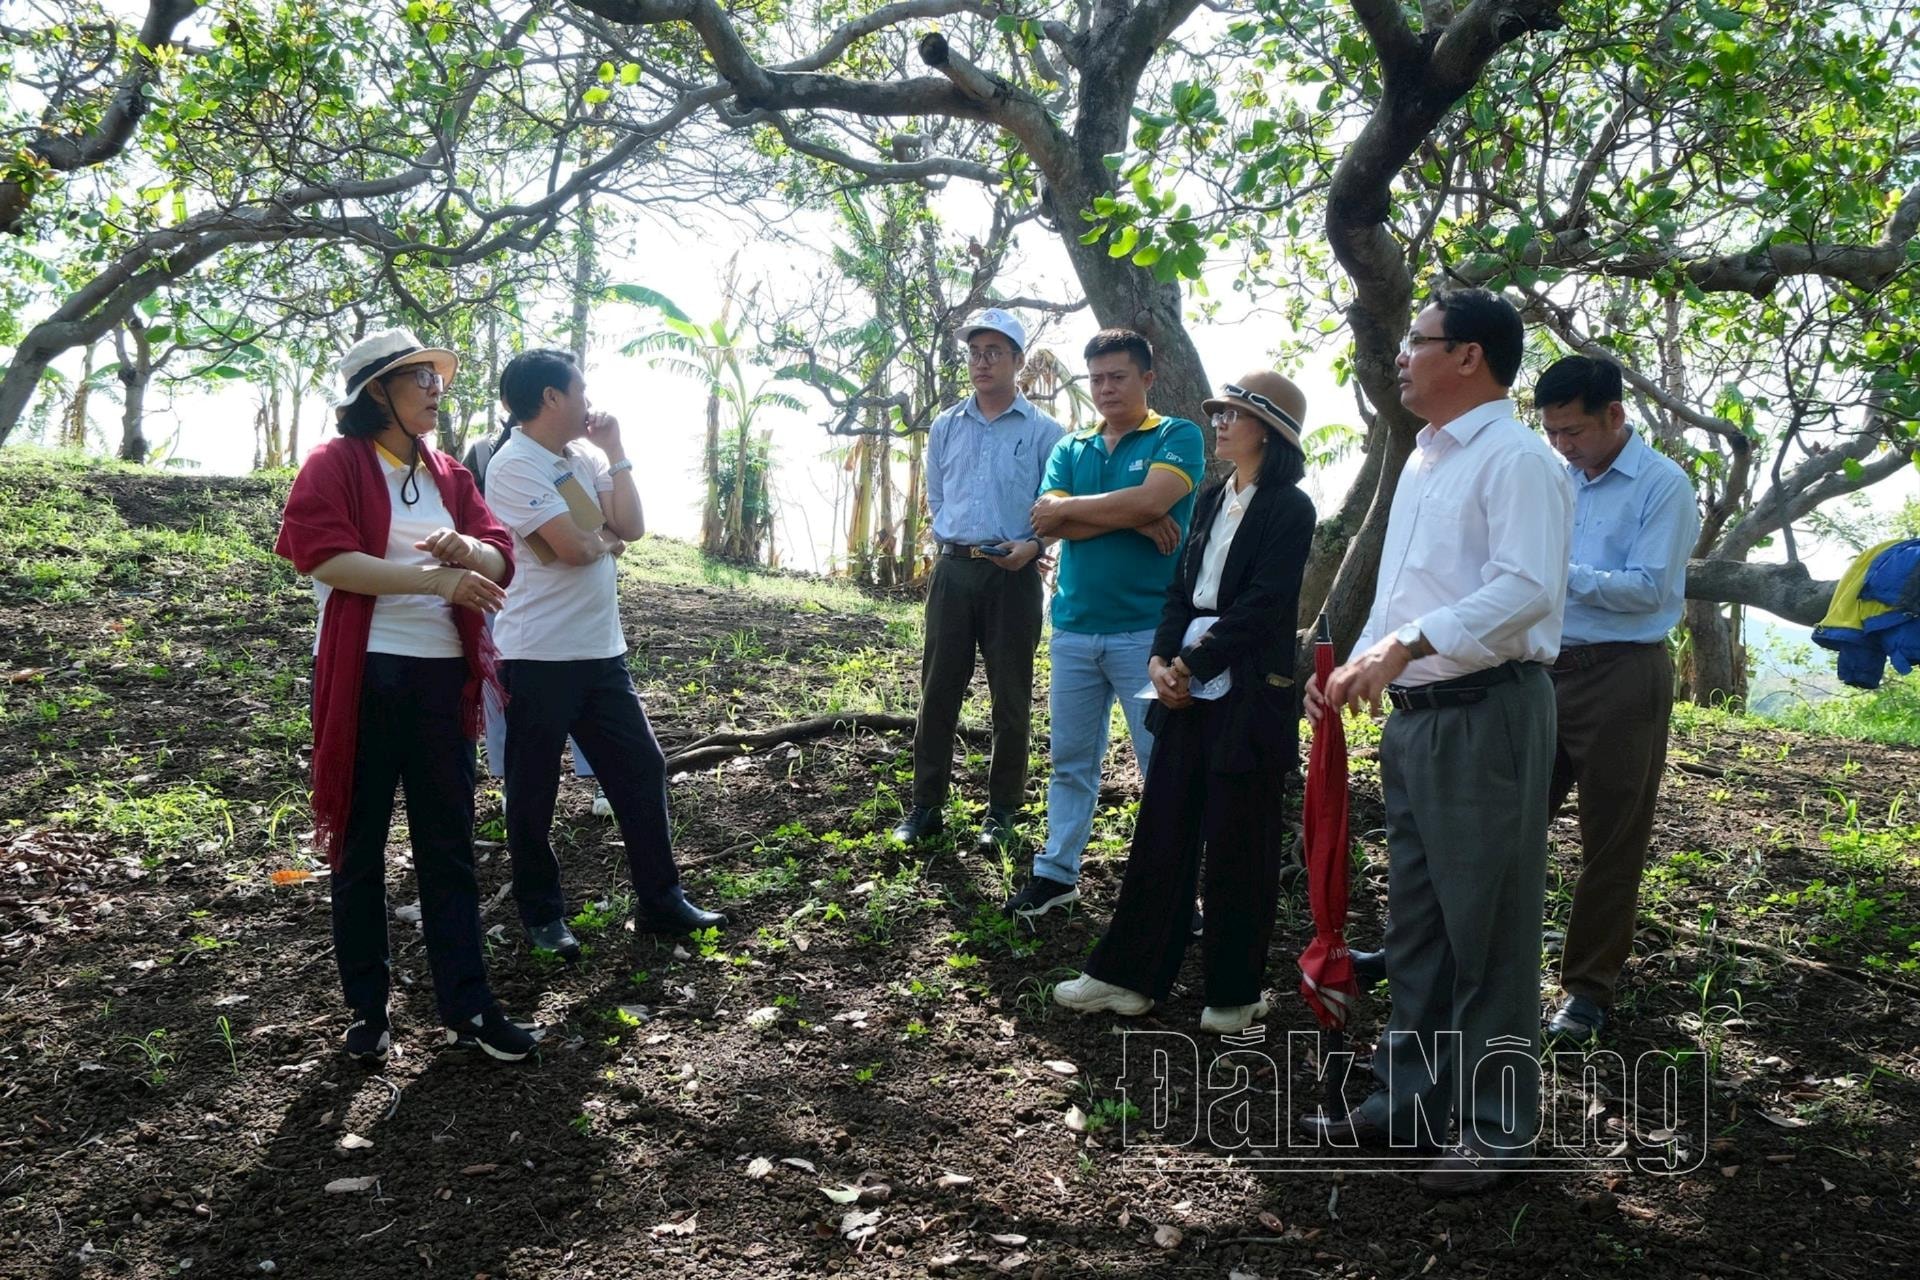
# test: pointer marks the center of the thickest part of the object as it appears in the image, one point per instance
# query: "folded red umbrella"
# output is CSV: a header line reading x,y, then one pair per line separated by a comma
x,y
1326,969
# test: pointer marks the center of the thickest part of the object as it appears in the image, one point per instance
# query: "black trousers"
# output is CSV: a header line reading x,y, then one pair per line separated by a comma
x,y
594,700
1185,811
976,605
410,736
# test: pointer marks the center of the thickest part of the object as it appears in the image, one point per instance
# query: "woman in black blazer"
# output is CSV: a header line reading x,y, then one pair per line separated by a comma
x,y
1219,763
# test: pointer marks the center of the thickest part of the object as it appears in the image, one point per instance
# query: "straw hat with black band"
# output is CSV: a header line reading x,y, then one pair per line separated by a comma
x,y
382,353
1268,396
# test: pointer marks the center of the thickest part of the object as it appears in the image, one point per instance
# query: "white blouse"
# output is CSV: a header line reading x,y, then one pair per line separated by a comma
x,y
1213,561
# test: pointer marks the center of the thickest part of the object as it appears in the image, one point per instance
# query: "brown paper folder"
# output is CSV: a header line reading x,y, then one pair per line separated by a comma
x,y
581,505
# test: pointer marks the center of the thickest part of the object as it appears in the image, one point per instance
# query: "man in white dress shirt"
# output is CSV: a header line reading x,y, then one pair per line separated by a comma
x,y
1472,589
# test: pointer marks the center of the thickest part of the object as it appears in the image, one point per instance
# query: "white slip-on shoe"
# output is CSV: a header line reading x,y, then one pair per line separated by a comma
x,y
1087,994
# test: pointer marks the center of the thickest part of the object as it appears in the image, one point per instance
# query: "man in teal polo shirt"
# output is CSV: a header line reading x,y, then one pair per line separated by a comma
x,y
1118,496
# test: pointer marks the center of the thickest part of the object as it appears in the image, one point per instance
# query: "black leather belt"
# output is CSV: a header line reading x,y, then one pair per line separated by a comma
x,y
962,551
1581,657
1461,691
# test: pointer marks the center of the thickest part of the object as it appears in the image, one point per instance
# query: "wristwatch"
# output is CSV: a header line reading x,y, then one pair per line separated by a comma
x,y
1416,644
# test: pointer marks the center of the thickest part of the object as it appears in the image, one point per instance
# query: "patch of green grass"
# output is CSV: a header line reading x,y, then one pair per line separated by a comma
x,y
1889,714
170,819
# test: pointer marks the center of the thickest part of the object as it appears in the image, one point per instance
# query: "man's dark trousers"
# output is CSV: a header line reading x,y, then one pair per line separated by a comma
x,y
975,604
1466,799
411,736
594,700
1614,703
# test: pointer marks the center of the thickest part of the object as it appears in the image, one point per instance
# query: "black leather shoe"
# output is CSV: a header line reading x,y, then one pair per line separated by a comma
x,y
1579,1021
1461,1172
554,936
919,823
1199,927
674,914
1355,1130
996,834
1369,967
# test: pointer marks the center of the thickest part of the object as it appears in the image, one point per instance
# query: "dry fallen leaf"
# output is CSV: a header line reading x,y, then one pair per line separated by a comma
x,y
760,1167
1076,1119
676,1228
1011,1240
340,1186
798,1163
841,1194
858,1226
1785,1122
1060,1067
478,1170
1271,1222
354,1142
953,1180
1012,1262
1168,1237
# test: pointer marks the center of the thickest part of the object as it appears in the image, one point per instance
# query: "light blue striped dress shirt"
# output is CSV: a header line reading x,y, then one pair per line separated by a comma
x,y
982,477
1633,527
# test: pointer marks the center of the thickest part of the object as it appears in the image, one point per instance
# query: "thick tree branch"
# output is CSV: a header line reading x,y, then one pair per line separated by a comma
x,y
63,152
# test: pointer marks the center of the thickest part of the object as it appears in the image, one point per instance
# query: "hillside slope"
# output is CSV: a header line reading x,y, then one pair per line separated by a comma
x,y
172,1095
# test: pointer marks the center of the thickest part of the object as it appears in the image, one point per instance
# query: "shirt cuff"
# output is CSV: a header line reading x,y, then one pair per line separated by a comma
x,y
1581,580
1451,639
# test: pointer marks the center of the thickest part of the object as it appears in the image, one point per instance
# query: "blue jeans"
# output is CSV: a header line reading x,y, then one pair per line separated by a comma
x,y
1089,672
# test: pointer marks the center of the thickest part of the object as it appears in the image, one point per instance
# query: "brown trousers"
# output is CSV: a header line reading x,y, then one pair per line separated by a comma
x,y
1612,747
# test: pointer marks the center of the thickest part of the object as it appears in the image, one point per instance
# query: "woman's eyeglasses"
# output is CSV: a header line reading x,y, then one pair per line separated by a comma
x,y
425,377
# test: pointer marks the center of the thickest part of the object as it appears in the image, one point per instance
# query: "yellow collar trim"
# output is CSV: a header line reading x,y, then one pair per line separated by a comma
x,y
390,459
1148,423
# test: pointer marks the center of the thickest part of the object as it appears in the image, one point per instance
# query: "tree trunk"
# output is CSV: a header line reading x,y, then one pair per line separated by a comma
x,y
73,424
886,564
712,526
293,417
1124,296
860,509
915,504
1715,671
136,374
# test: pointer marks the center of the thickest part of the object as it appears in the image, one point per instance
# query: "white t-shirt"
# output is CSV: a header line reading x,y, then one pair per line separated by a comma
x,y
415,626
555,612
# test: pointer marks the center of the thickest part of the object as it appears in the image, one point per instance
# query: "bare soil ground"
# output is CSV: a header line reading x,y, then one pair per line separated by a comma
x,y
864,1075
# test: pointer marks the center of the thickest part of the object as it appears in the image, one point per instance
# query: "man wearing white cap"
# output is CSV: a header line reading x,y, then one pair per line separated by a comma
x,y
986,457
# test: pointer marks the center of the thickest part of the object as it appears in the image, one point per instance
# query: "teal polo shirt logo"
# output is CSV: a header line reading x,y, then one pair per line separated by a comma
x,y
1118,581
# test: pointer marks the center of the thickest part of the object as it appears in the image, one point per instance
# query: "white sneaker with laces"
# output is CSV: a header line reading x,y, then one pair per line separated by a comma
x,y
1087,994
602,807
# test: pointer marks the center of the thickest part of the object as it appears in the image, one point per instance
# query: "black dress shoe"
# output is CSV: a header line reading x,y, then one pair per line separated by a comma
x,y
554,936
1578,1021
674,914
996,834
1354,1130
920,822
1462,1172
1369,966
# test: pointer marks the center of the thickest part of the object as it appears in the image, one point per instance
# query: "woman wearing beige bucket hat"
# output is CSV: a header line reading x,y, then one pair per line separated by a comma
x,y
1221,754
404,573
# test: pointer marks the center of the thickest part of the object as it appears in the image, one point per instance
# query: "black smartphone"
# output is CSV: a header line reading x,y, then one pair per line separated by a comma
x,y
993,551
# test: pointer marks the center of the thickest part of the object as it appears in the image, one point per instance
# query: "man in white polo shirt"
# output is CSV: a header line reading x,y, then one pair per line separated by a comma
x,y
563,656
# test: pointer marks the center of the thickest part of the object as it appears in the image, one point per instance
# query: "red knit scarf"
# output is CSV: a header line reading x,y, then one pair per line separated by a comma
x,y
339,503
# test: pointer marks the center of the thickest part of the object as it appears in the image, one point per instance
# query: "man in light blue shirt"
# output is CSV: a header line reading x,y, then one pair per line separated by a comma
x,y
985,459
1635,521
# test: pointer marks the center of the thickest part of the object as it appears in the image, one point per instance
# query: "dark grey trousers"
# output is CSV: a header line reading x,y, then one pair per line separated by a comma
x,y
1466,799
975,605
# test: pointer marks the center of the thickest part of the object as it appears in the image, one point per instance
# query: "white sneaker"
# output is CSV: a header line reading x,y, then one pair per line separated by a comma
x,y
1231,1019
1087,994
602,807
